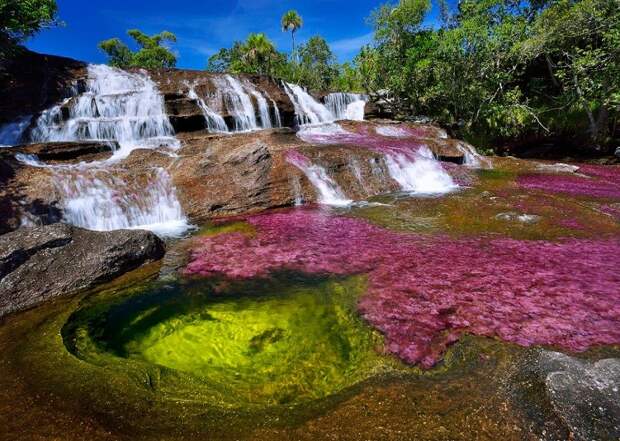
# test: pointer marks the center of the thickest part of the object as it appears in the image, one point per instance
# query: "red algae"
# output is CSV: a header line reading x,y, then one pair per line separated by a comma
x,y
424,292
597,181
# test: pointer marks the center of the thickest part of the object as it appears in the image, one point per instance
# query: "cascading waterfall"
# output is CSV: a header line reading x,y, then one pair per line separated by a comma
x,y
329,192
349,106
307,109
238,103
421,174
97,200
117,106
276,113
215,122
263,107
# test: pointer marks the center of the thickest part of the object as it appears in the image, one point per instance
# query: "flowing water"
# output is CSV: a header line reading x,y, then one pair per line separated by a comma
x,y
307,109
116,106
349,106
128,109
215,122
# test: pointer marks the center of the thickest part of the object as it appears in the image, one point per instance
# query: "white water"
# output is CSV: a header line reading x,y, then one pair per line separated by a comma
x,y
422,174
97,200
263,107
215,122
349,106
307,109
12,133
276,112
238,103
328,191
471,158
117,106
123,107
392,132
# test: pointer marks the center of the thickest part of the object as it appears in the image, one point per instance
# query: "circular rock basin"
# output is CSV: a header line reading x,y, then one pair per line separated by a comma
x,y
266,342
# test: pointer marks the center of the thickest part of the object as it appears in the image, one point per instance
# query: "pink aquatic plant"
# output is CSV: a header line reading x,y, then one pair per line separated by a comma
x,y
599,181
424,292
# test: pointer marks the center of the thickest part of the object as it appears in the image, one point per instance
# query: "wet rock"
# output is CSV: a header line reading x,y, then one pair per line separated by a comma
x,y
518,217
38,264
31,82
617,152
585,395
68,151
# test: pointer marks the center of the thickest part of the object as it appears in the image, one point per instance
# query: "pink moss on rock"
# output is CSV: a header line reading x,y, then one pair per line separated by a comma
x,y
599,181
423,292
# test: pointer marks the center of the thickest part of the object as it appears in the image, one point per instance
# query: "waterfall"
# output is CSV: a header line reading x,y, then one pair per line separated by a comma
x,y
117,106
276,113
263,107
329,192
472,158
12,133
420,174
215,122
238,103
97,200
307,109
349,106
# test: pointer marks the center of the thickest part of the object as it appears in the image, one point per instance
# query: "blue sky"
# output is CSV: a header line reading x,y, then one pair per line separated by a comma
x,y
204,26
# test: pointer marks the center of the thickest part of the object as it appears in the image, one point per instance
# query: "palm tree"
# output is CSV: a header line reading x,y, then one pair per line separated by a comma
x,y
291,21
258,52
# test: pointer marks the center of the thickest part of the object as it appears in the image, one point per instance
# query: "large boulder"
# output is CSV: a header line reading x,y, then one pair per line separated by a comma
x,y
583,394
38,264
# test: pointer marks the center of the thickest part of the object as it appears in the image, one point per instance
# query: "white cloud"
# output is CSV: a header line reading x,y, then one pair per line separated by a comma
x,y
348,47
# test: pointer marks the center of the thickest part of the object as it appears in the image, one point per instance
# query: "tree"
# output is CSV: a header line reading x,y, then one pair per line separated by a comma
x,y
292,22
152,54
259,53
318,68
580,45
21,19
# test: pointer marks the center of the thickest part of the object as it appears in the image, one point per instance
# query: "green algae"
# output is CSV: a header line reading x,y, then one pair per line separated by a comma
x,y
491,208
272,342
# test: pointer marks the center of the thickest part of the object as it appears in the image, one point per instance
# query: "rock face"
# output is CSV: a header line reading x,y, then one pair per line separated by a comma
x,y
32,82
68,151
584,395
38,264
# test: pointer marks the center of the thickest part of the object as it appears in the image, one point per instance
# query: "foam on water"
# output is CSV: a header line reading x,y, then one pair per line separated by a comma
x,y
421,173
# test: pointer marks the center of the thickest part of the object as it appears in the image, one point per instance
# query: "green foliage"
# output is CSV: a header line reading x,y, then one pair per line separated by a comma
x,y
150,55
20,19
503,68
317,65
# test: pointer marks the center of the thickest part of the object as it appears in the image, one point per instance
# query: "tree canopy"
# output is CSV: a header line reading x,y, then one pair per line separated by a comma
x,y
501,69
151,53
21,19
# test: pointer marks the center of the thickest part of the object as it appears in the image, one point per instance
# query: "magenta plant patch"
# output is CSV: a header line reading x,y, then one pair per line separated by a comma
x,y
600,181
424,292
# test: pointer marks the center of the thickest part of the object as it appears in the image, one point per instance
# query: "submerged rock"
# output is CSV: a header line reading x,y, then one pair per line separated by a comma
x,y
584,395
38,264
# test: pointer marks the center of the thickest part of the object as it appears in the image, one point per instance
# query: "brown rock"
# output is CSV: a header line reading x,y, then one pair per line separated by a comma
x,y
38,264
